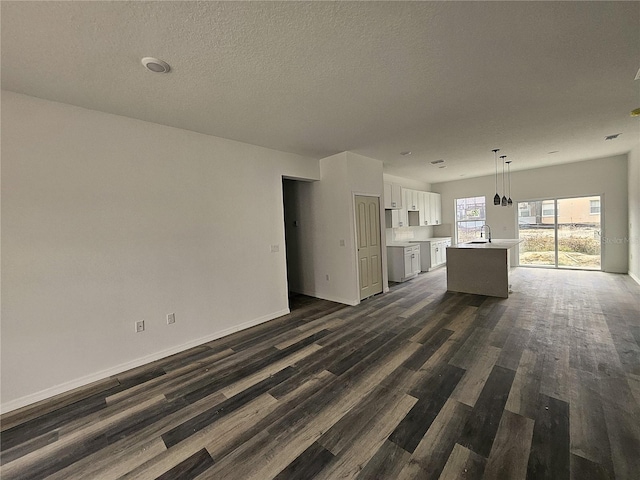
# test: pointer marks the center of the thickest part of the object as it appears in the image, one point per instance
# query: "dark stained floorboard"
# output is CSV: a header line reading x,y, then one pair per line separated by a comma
x,y
562,400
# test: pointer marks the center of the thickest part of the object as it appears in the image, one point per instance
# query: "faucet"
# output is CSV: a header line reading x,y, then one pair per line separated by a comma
x,y
488,231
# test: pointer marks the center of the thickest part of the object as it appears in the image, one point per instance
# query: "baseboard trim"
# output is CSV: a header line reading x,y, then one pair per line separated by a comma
x,y
635,278
123,367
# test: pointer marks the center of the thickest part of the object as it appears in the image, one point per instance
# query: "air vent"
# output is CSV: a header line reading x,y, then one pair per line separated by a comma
x,y
155,65
437,162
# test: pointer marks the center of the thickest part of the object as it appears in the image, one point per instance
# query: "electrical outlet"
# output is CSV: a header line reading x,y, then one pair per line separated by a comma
x,y
342,243
171,318
140,326
275,248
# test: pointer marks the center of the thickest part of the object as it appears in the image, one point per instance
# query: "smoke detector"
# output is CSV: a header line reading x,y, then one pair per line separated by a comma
x,y
154,65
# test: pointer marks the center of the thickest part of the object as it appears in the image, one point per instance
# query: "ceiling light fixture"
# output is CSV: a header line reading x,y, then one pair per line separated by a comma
x,y
504,201
509,201
635,112
496,199
504,197
154,65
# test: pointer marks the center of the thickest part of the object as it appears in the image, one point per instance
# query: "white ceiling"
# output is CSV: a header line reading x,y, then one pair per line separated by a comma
x,y
445,80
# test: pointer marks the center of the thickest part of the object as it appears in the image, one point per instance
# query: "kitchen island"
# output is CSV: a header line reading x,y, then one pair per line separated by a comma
x,y
480,267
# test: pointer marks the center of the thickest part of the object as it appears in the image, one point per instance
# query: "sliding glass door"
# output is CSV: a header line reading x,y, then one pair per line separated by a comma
x,y
560,233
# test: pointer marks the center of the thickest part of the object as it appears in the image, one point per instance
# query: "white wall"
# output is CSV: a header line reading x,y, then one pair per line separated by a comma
x,y
107,220
327,216
411,183
605,176
634,214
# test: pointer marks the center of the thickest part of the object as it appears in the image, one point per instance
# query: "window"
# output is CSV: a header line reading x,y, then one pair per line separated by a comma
x,y
594,207
470,216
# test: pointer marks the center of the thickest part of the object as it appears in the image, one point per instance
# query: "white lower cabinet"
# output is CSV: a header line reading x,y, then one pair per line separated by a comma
x,y
433,253
403,262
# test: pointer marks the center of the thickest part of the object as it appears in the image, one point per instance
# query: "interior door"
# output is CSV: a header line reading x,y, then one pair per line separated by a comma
x,y
369,249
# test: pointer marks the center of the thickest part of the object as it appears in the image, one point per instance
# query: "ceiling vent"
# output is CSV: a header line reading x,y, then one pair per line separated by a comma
x,y
154,65
437,162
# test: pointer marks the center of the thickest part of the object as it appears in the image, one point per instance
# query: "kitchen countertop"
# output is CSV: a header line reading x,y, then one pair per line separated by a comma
x,y
496,243
401,244
434,239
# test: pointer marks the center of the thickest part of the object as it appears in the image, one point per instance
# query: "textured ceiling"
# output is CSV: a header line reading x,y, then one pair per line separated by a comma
x,y
445,80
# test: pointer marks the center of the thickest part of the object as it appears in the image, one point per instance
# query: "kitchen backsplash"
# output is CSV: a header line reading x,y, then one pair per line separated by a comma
x,y
406,234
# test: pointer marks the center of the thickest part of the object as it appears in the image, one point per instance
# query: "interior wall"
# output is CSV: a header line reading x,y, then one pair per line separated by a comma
x,y
634,214
366,178
604,176
327,226
108,220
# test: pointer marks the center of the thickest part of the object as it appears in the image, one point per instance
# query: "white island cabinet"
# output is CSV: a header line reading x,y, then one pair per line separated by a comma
x,y
480,268
403,261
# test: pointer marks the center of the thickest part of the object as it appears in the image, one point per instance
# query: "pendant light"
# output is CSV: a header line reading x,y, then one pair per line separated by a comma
x,y
496,199
504,197
509,201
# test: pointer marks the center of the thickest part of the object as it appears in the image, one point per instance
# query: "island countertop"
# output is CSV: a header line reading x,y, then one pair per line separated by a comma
x,y
496,243
480,268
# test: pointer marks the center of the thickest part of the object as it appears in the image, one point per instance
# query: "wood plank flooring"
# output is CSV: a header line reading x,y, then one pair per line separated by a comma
x,y
417,383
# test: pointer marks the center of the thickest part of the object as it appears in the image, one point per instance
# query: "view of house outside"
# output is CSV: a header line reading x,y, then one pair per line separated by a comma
x,y
575,222
470,217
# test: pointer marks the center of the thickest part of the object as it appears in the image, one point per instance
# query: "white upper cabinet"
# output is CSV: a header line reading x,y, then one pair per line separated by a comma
x,y
392,196
436,209
411,199
426,216
411,208
396,218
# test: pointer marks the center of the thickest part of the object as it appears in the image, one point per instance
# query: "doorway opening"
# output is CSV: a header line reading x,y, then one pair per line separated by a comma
x,y
291,195
561,233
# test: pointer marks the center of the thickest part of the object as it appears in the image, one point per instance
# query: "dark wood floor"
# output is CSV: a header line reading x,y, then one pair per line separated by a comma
x,y
417,383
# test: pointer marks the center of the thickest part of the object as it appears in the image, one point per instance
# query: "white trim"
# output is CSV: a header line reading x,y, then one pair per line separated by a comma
x,y
123,367
637,280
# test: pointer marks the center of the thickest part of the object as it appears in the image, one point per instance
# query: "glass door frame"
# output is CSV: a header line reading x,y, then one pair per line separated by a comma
x,y
555,231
